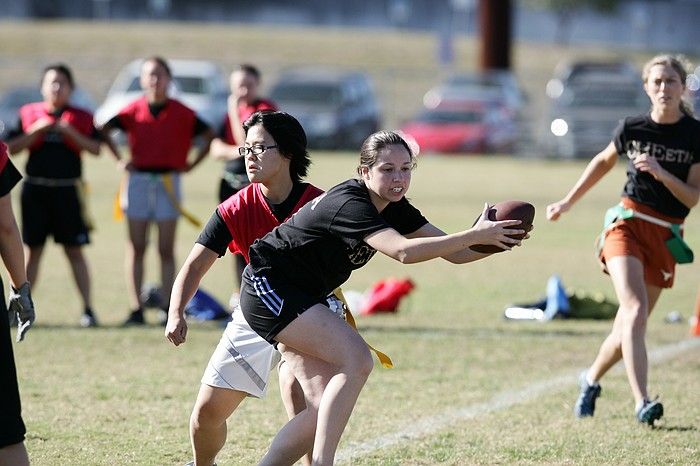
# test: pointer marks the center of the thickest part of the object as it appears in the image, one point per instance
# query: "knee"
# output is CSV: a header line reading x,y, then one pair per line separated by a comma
x,y
287,382
74,254
167,254
205,416
634,317
360,362
138,250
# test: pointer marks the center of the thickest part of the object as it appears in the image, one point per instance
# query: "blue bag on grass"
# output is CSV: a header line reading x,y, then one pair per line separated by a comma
x,y
203,306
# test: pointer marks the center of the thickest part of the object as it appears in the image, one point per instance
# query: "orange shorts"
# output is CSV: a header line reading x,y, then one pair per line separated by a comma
x,y
644,240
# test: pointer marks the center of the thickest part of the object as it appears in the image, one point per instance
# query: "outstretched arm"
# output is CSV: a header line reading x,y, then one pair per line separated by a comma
x,y
459,257
598,167
409,250
186,283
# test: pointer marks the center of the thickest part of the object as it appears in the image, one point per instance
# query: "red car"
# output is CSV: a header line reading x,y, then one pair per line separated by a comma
x,y
477,127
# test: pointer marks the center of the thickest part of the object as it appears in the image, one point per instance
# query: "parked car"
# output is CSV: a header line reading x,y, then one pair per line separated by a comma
x,y
199,84
587,101
13,99
496,85
338,109
466,127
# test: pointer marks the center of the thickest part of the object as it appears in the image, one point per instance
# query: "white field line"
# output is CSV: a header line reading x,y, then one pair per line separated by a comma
x,y
423,427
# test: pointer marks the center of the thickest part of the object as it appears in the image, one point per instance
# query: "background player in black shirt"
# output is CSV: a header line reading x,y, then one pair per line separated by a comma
x,y
663,184
56,133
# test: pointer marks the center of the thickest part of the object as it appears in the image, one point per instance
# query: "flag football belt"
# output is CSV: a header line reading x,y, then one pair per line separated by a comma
x,y
679,249
383,358
169,186
51,182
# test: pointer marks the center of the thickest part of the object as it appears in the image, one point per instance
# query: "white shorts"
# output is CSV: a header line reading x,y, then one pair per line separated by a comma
x,y
242,360
145,197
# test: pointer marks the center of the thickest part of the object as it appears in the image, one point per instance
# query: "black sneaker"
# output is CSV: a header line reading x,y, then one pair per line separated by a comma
x,y
585,404
88,320
135,318
650,411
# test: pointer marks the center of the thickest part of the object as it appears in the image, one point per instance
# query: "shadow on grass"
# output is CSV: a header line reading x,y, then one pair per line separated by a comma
x,y
214,325
676,428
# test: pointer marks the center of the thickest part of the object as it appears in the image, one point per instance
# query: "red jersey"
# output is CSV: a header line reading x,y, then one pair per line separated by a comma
x,y
160,142
78,119
244,112
248,216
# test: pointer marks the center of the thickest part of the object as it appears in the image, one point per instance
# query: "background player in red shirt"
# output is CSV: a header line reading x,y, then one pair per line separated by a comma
x,y
56,133
160,132
242,103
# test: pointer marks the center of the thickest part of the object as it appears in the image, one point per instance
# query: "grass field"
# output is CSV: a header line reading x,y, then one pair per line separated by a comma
x,y
123,396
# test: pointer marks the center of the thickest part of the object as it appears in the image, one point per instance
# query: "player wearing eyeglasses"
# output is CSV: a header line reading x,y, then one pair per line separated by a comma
x,y
276,161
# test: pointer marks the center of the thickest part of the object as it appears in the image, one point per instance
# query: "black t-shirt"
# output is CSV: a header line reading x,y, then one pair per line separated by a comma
x,y
216,235
53,158
676,147
320,245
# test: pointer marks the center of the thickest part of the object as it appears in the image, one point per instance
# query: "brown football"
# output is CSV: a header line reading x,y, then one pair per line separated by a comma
x,y
508,210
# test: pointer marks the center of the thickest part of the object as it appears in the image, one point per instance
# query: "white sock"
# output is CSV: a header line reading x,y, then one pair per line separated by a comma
x,y
590,381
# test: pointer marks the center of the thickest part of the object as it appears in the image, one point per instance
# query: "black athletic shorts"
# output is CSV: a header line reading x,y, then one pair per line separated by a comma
x,y
55,211
269,305
12,428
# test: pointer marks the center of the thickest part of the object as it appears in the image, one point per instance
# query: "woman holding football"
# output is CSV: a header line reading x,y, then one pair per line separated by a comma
x,y
293,268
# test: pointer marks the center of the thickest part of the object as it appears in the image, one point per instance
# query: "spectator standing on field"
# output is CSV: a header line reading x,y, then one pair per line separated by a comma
x,y
642,238
52,202
242,103
21,311
160,132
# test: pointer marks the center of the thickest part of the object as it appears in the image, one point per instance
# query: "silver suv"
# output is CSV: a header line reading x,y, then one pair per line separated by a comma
x,y
587,101
338,109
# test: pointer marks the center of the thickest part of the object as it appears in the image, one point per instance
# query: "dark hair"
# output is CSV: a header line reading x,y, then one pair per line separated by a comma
x,y
161,61
247,68
378,141
679,65
60,68
289,136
